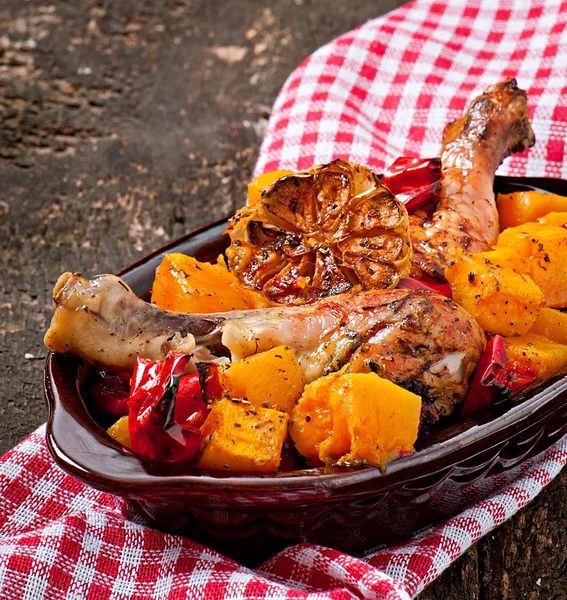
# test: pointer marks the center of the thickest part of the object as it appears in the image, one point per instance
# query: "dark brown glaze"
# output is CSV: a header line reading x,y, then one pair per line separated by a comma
x,y
495,126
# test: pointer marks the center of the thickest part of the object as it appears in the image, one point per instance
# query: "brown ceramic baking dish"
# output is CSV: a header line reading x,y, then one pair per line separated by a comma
x,y
249,517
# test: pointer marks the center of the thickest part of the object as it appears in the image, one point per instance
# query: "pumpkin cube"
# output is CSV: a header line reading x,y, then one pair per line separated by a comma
x,y
238,436
271,379
504,257
121,432
518,208
355,418
183,284
312,419
548,358
501,300
257,185
552,324
544,249
559,219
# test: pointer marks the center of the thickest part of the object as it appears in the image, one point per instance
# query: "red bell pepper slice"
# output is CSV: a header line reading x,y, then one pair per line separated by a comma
x,y
495,377
515,379
109,393
426,284
190,409
481,391
209,379
414,181
154,431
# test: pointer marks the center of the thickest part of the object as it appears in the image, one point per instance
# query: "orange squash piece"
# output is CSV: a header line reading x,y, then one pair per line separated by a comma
x,y
257,185
518,208
505,257
552,324
559,219
121,432
501,300
312,419
548,358
543,248
183,284
271,379
355,418
241,437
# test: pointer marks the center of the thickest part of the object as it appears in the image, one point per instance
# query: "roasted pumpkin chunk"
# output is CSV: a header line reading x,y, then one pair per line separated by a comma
x,y
271,379
548,358
500,299
121,432
559,219
238,436
183,284
543,248
312,419
505,257
552,324
320,232
518,208
354,419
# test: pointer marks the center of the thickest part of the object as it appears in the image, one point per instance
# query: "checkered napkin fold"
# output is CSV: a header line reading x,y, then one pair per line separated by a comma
x,y
382,91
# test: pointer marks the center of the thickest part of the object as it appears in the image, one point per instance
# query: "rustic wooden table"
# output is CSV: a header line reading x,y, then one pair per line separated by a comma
x,y
126,124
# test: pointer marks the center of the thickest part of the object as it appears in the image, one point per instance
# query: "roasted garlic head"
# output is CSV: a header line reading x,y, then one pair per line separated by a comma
x,y
324,231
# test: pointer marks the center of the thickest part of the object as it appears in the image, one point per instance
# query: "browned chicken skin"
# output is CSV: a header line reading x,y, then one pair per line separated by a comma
x,y
495,126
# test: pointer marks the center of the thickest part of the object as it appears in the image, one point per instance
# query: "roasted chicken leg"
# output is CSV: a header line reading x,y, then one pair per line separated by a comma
x,y
417,339
495,126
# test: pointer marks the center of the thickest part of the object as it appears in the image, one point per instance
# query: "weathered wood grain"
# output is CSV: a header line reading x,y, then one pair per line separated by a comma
x,y
126,124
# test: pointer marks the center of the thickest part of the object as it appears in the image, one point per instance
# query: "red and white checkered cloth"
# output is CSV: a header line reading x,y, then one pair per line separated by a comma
x,y
383,90
388,88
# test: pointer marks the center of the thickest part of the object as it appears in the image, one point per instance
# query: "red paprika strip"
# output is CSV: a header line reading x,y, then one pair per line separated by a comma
x,y
109,393
495,377
414,181
515,379
481,391
190,409
154,430
210,381
425,284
